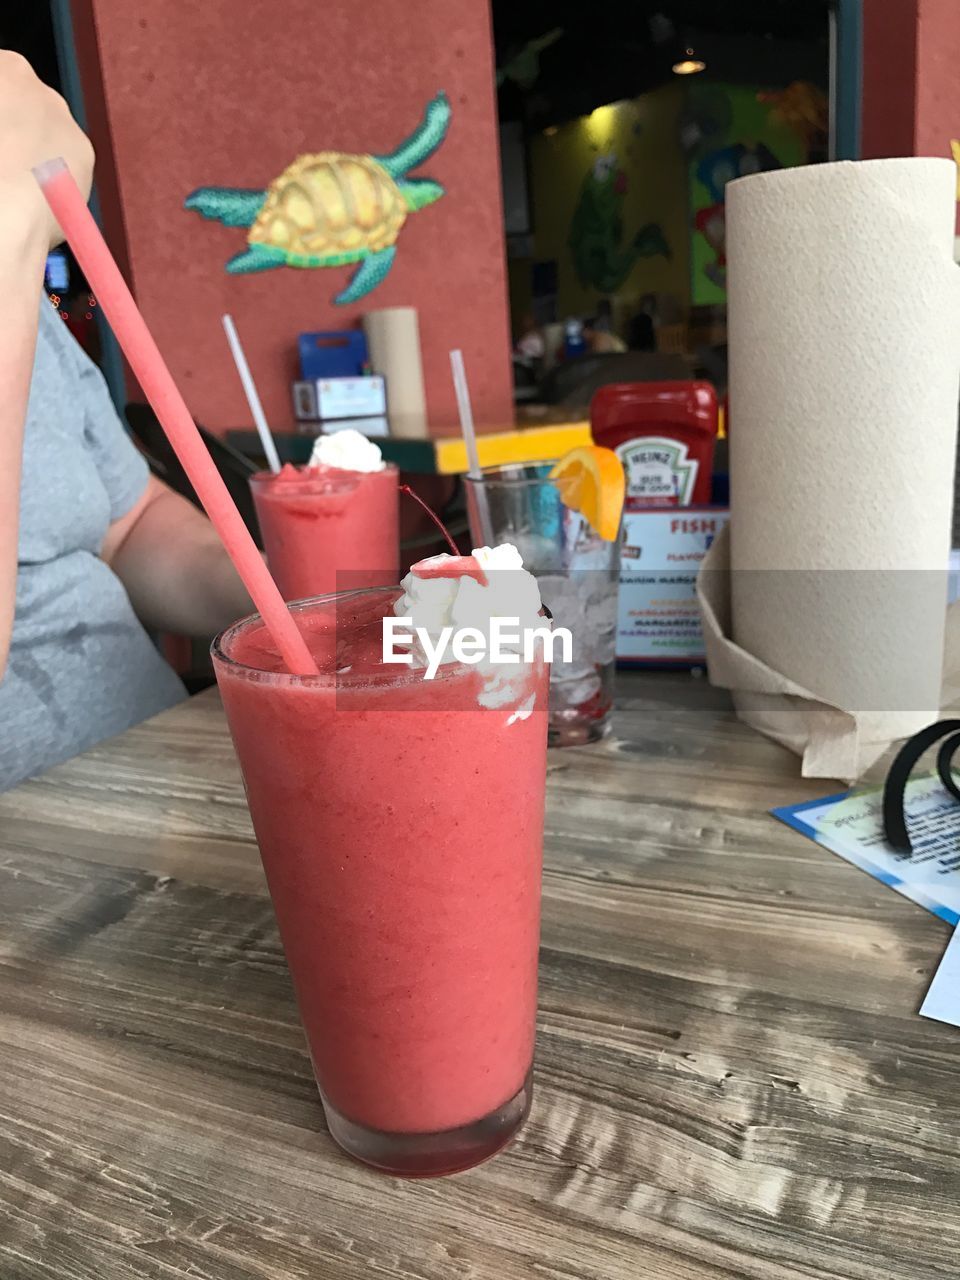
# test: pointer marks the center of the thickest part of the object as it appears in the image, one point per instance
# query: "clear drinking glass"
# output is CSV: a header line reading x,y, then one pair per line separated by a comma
x,y
400,824
579,575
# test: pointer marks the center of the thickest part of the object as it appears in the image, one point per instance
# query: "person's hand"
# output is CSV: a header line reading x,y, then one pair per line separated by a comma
x,y
35,125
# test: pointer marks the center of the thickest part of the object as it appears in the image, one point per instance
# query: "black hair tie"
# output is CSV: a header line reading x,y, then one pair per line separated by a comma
x,y
894,789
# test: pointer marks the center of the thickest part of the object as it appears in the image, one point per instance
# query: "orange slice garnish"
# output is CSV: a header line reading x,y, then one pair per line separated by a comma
x,y
591,481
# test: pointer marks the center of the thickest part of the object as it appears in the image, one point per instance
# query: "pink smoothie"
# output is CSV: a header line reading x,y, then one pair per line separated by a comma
x,y
318,522
400,825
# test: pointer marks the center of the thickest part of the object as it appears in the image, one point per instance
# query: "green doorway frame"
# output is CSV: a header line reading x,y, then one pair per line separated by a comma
x,y
846,78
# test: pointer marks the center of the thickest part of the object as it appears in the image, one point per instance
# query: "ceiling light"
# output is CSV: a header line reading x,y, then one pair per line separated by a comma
x,y
689,65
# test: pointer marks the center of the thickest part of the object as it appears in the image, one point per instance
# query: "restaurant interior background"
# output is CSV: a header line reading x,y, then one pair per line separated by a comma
x,y
620,128
598,219
580,238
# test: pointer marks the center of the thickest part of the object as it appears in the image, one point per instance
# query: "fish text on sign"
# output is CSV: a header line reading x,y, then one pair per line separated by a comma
x,y
695,524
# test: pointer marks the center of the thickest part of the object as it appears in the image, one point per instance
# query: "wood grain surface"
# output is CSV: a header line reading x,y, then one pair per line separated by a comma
x,y
731,1080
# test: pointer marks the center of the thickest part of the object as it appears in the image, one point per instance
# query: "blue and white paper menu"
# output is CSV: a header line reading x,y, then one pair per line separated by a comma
x,y
851,826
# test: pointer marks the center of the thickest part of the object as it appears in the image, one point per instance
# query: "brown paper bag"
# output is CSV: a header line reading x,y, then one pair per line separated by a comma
x,y
834,741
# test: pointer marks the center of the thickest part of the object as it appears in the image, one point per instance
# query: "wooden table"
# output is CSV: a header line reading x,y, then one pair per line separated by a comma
x,y
732,1080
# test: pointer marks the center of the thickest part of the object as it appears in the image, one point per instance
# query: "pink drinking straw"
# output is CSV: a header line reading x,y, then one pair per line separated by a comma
x,y
103,275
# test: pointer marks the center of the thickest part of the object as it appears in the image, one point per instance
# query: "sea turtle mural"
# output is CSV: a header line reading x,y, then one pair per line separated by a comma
x,y
328,209
601,259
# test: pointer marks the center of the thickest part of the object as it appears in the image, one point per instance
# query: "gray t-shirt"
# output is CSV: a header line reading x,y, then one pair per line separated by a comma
x,y
81,666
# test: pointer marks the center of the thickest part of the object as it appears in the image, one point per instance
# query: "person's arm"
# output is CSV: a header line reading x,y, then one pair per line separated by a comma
x,y
23,251
35,125
173,565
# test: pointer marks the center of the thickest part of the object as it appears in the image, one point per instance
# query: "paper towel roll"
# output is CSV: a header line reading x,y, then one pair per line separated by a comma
x,y
844,331
393,340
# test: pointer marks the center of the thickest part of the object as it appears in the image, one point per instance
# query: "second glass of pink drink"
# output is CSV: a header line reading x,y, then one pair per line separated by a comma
x,y
400,823
337,515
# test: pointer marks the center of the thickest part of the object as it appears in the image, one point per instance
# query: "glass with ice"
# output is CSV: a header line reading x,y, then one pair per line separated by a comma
x,y
578,572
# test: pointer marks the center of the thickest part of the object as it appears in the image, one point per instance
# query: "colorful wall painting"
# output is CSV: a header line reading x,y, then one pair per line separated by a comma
x,y
602,255
734,130
629,200
609,205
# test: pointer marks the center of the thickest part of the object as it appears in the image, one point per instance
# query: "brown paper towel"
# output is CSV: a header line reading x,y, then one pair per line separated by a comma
x,y
393,341
844,326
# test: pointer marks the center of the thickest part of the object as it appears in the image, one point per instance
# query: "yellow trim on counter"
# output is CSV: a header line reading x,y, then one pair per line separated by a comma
x,y
498,449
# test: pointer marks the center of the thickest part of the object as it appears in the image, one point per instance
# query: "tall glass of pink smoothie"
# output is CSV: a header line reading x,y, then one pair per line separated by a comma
x,y
335,516
400,824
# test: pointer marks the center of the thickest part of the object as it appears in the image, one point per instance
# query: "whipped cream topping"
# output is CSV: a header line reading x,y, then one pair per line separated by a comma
x,y
506,556
347,450
436,602
433,602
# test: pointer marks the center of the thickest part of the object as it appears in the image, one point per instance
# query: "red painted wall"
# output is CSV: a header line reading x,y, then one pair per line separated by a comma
x,y
938,77
228,92
911,78
889,78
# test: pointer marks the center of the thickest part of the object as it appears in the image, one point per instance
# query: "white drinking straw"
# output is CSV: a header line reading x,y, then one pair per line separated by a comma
x,y
253,400
470,440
